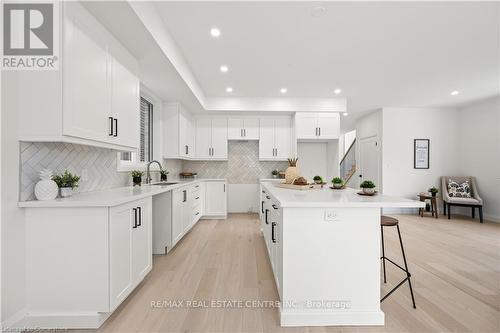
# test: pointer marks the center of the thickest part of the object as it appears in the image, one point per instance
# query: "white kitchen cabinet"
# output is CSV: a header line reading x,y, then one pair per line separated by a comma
x,y
314,126
211,138
178,132
275,141
93,98
243,129
178,219
125,105
215,198
82,262
130,247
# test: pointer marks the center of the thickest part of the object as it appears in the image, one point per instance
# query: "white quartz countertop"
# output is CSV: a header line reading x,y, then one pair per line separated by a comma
x,y
326,197
112,197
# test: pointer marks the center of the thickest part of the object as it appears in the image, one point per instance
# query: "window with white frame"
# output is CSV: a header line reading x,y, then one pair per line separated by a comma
x,y
145,152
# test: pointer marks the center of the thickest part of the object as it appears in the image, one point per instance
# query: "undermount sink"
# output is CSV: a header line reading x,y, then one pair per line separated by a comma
x,y
164,183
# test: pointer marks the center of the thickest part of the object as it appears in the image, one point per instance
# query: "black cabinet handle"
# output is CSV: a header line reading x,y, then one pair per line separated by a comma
x,y
140,216
111,126
186,149
116,127
135,218
197,198
184,196
197,186
224,187
262,207
197,213
267,211
273,233
268,197
263,191
274,206
319,131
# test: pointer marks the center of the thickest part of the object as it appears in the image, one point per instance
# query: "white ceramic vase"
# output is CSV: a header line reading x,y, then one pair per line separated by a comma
x,y
66,192
46,188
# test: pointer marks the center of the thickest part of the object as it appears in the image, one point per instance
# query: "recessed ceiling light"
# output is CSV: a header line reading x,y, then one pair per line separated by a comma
x,y
337,91
283,90
455,93
215,32
345,114
229,89
224,68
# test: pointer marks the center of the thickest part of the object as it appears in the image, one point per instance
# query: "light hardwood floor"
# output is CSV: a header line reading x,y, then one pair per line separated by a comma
x,y
455,268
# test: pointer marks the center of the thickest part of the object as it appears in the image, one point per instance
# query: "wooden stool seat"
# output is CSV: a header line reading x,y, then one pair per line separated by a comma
x,y
388,221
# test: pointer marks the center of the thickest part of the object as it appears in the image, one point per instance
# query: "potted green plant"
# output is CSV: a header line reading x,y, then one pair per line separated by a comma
x,y
275,173
137,177
368,187
66,183
163,175
433,191
318,179
337,182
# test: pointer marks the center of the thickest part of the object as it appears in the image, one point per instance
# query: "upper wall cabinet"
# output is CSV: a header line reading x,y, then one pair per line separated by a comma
x,y
275,141
243,129
322,126
179,133
211,138
92,99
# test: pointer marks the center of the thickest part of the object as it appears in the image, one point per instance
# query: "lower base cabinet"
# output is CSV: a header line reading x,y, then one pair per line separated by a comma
x,y
130,246
215,199
81,263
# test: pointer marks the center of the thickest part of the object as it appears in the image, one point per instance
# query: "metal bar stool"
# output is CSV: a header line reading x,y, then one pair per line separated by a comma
x,y
387,221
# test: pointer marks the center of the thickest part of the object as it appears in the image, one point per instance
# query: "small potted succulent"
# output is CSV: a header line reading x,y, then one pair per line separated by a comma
x,y
318,180
368,187
66,183
137,177
433,191
163,175
337,182
275,173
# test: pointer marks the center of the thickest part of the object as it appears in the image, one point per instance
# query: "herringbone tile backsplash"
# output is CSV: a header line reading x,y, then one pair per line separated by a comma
x,y
242,167
100,164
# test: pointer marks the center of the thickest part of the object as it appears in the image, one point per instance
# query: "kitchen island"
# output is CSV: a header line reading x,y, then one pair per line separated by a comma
x,y
324,248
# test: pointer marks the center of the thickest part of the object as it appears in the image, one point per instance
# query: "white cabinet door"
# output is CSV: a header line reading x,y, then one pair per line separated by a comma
x,y
251,129
215,199
219,138
266,141
141,240
120,254
190,137
203,138
282,138
177,215
86,92
329,126
125,105
235,129
187,210
306,126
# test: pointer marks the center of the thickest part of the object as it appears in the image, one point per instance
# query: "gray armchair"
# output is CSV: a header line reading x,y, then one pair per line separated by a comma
x,y
449,200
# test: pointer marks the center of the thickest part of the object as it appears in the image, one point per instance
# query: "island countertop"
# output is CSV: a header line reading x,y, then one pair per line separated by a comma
x,y
326,197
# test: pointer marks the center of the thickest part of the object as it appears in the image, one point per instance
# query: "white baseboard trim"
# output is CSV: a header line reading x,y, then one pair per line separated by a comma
x,y
337,318
84,320
16,321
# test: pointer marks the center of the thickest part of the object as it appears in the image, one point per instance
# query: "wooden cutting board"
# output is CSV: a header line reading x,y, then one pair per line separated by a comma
x,y
295,187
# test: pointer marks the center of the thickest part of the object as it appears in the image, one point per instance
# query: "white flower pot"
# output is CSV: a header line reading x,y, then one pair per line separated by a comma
x,y
368,190
337,185
66,192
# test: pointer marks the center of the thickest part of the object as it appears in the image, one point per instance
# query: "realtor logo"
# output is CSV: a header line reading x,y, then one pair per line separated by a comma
x,y
28,36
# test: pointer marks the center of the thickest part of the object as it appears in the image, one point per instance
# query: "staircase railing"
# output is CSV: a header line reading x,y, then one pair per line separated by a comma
x,y
348,163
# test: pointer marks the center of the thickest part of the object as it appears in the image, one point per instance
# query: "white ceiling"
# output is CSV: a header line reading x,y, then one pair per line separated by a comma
x,y
404,54
381,54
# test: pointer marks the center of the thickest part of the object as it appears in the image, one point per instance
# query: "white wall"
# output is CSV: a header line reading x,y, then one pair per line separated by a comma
x,y
312,159
12,217
479,150
400,127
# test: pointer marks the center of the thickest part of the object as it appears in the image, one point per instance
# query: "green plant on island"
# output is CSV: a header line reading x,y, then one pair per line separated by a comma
x,y
274,172
337,180
67,179
367,184
318,179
